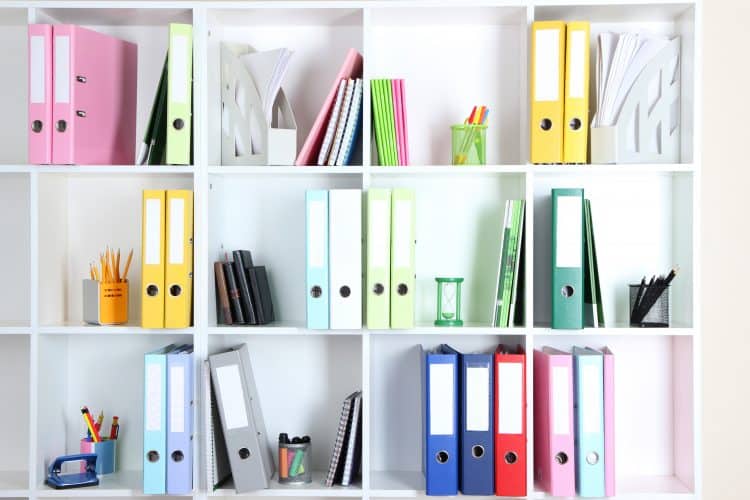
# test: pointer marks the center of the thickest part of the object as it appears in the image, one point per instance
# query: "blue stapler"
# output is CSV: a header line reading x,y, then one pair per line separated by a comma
x,y
64,481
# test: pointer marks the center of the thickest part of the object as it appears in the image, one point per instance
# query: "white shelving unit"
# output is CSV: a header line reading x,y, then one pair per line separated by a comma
x,y
452,54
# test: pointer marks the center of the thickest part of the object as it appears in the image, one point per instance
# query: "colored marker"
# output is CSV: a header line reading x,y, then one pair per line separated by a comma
x,y
115,430
90,423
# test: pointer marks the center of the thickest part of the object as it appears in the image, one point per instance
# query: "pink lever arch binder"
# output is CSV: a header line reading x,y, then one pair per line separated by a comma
x,y
40,94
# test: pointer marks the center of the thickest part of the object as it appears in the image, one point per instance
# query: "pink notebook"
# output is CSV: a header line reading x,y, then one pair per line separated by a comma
x,y
40,94
554,444
399,119
352,68
95,78
404,128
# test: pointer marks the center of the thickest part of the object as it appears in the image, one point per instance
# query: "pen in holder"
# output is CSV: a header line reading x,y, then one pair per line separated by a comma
x,y
469,144
106,454
657,310
105,303
294,461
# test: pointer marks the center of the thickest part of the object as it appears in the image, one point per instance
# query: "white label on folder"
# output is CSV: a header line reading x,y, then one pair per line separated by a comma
x,y
478,398
232,396
510,398
62,69
569,231
177,399
378,247
578,48
547,65
36,67
402,232
153,232
316,251
591,391
560,400
442,405
176,230
153,397
178,57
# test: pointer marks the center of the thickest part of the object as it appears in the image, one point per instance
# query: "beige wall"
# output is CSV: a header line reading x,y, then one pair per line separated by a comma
x,y
726,249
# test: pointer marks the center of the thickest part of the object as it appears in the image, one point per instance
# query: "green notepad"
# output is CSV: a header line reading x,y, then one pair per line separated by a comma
x,y
377,119
391,123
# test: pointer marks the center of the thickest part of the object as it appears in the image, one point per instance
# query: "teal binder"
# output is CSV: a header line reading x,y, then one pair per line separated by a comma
x,y
567,258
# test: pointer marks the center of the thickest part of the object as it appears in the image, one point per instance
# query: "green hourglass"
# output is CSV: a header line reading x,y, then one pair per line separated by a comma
x,y
449,302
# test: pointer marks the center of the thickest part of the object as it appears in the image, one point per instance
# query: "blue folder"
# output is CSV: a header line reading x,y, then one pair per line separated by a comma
x,y
316,252
180,421
588,375
440,412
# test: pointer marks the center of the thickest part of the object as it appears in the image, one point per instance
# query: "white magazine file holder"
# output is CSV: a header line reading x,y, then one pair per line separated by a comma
x,y
642,133
278,139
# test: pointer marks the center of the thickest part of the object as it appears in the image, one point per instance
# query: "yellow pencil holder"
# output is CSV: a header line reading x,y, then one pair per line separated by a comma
x,y
105,303
469,144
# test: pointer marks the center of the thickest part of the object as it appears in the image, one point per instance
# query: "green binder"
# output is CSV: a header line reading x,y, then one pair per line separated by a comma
x,y
403,279
378,289
180,94
567,258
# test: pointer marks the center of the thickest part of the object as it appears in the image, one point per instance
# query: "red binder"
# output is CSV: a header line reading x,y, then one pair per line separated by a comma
x,y
510,422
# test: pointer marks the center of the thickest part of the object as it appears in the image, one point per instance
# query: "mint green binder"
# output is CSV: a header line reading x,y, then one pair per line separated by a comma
x,y
567,258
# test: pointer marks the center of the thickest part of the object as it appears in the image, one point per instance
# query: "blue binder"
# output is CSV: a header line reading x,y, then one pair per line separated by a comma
x,y
440,418
477,465
316,258
155,422
180,421
588,375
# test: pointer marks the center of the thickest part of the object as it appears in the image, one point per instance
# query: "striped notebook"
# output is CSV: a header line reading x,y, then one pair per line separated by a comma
x,y
341,438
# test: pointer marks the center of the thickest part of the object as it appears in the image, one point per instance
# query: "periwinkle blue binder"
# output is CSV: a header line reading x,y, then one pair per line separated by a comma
x,y
588,377
155,421
180,421
316,258
440,418
477,466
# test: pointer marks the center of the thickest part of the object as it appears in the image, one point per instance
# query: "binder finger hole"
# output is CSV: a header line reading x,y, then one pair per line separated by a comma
x,y
175,290
345,291
402,289
511,457
545,124
477,451
177,456
592,458
378,289
442,457
575,124
152,456
316,291
61,125
561,458
152,290
567,291
244,453
178,124
36,126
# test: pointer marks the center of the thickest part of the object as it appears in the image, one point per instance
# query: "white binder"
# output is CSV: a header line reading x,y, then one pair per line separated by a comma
x,y
345,258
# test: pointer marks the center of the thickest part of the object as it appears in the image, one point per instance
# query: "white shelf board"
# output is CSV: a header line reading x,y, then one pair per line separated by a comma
x,y
623,330
315,488
280,328
285,170
396,484
115,13
14,484
98,169
639,168
467,329
118,484
15,328
447,170
111,330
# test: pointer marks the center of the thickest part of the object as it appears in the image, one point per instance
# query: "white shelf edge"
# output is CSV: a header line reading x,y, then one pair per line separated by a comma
x,y
15,330
285,170
98,169
624,331
327,4
113,330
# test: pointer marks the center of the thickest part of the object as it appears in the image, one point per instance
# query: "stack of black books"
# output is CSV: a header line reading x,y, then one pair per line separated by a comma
x,y
243,296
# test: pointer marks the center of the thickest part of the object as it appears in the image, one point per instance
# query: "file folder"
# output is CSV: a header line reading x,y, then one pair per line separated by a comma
x,y
440,417
316,249
155,421
95,78
547,90
403,243
40,93
567,258
180,421
178,278
378,259
477,474
510,424
180,94
576,131
242,419
345,258
554,445
589,416
153,229
609,422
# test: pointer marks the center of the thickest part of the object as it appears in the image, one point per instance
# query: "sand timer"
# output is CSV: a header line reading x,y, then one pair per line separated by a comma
x,y
449,302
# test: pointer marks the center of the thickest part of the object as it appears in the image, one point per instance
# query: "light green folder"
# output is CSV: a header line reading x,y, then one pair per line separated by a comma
x,y
390,122
378,258
377,120
403,279
180,94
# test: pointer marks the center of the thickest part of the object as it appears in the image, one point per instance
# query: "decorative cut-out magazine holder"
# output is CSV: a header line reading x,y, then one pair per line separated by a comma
x,y
645,132
242,117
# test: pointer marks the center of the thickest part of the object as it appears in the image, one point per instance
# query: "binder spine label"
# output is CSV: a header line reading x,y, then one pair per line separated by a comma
x,y
179,61
441,399
153,397
402,234
177,399
62,69
229,385
546,67
510,398
176,231
569,217
36,67
477,403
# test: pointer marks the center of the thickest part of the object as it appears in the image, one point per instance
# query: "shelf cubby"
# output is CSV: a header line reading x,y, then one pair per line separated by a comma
x,y
14,88
14,433
15,266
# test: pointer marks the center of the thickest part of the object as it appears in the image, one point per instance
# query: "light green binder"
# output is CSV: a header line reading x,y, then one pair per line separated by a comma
x,y
567,258
377,119
180,94
403,279
378,259
390,122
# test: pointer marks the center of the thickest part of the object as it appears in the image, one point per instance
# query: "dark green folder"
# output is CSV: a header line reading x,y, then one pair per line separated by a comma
x,y
155,138
594,310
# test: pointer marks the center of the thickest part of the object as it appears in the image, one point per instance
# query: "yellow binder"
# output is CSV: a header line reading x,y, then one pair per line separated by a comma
x,y
547,90
576,134
178,296
152,259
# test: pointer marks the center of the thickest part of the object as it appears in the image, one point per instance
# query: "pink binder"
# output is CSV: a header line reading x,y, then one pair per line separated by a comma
x,y
554,444
609,422
405,126
40,94
352,68
95,77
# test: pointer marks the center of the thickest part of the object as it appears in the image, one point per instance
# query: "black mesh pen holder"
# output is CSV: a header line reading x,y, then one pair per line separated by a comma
x,y
654,303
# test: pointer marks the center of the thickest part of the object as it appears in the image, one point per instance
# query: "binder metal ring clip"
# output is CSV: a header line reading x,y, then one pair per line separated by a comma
x,y
442,456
